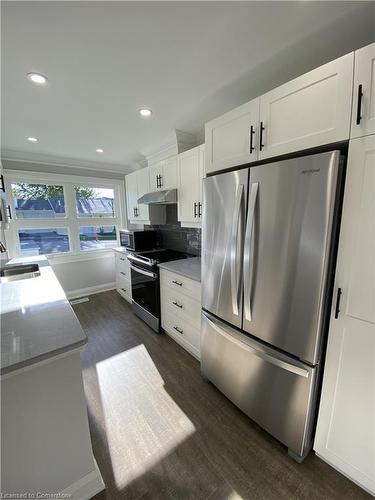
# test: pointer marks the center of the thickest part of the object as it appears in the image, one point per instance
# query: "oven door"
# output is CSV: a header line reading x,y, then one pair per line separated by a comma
x,y
145,289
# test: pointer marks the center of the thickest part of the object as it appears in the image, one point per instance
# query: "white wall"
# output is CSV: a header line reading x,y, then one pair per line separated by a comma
x,y
81,277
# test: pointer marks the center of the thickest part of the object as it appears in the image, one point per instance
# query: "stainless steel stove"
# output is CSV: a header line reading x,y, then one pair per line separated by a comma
x,y
146,283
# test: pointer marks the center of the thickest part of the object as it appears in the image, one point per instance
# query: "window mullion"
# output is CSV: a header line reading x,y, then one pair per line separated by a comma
x,y
70,202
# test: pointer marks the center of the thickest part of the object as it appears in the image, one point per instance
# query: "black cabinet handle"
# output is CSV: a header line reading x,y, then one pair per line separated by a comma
x,y
9,212
199,209
2,185
195,209
177,304
160,181
178,329
123,289
252,132
262,129
177,283
157,181
338,298
359,105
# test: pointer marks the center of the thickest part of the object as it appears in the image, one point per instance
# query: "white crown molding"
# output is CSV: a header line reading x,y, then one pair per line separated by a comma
x,y
177,142
17,156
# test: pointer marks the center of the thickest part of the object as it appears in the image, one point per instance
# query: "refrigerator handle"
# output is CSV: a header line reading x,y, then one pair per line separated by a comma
x,y
234,272
246,343
249,250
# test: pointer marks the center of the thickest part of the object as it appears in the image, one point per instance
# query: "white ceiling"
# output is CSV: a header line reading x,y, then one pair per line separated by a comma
x,y
188,61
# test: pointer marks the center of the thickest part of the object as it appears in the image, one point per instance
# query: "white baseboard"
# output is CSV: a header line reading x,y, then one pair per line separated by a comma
x,y
86,487
74,294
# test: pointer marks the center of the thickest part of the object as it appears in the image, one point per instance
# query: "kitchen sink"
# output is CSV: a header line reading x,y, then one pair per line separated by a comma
x,y
19,272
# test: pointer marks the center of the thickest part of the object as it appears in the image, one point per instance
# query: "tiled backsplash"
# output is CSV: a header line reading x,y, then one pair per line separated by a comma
x,y
175,237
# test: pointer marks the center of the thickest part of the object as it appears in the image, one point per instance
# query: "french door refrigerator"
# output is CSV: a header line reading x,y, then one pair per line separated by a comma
x,y
267,251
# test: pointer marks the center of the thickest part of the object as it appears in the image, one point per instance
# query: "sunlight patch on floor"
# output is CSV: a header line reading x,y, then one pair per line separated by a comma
x,y
143,423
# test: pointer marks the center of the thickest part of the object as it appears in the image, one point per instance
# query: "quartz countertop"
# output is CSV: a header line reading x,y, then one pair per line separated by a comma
x,y
190,268
37,320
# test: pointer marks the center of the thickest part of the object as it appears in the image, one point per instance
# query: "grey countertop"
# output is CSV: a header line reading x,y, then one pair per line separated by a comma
x,y
190,268
37,321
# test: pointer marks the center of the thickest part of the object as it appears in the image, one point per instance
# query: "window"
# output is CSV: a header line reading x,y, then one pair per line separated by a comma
x,y
94,202
38,201
43,241
92,237
55,214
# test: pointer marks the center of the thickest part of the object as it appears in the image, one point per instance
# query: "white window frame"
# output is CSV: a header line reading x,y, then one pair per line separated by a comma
x,y
71,221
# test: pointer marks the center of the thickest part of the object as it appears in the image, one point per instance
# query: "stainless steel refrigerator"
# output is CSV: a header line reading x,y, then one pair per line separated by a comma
x,y
267,252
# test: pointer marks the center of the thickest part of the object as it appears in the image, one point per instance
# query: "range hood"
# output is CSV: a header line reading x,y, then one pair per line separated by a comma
x,y
166,197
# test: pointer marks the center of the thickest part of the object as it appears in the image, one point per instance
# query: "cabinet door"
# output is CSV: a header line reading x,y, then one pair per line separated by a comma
x,y
345,434
143,182
363,115
169,176
189,186
155,174
231,139
308,111
202,175
131,195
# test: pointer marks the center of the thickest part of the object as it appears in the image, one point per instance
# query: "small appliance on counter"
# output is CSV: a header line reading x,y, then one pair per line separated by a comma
x,y
138,240
146,282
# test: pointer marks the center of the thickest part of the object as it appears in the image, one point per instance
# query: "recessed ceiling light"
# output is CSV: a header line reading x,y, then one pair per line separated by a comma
x,y
99,150
37,77
32,139
145,112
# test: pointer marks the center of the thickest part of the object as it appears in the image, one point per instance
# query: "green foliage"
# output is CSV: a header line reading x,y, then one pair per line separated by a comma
x,y
26,191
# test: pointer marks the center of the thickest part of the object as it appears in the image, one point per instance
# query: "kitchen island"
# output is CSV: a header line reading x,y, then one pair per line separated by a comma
x,y
46,445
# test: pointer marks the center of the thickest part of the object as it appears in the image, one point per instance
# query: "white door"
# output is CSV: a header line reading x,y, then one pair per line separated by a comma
x,y
131,185
155,175
232,138
345,435
311,110
188,186
363,115
169,176
143,188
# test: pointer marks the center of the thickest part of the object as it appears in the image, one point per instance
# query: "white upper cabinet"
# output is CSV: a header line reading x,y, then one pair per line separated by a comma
x,y
169,176
190,175
345,434
155,175
131,186
163,174
311,110
143,188
231,139
363,115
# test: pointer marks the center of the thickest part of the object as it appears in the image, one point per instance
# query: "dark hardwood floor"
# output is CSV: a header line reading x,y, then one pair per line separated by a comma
x,y
159,431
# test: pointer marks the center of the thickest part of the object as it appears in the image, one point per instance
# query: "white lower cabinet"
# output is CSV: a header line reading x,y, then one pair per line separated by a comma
x,y
181,310
345,435
123,276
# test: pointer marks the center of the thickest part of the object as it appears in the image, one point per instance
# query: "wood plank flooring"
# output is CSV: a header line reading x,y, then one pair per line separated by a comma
x,y
159,431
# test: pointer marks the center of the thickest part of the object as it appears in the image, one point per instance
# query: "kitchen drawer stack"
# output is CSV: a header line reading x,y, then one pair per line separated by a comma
x,y
123,277
181,309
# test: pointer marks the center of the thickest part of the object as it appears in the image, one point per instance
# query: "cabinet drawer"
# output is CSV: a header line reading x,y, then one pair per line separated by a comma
x,y
184,285
182,332
122,266
124,287
182,305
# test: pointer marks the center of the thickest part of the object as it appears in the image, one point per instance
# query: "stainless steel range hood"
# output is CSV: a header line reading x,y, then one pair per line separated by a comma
x,y
166,197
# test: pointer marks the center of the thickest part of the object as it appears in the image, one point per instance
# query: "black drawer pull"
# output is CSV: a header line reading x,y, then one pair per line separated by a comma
x,y
338,299
177,304
359,105
178,330
123,289
262,129
121,272
177,283
2,186
252,132
121,258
